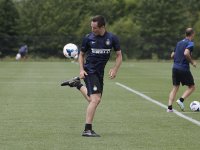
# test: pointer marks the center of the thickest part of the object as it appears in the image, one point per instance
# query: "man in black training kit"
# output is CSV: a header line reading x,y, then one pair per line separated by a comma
x,y
94,54
181,69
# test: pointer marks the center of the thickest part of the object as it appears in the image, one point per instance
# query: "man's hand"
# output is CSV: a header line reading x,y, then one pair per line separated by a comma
x,y
83,73
194,64
112,73
189,58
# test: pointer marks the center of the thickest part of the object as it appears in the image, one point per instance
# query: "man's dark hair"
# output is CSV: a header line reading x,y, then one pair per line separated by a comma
x,y
101,21
189,31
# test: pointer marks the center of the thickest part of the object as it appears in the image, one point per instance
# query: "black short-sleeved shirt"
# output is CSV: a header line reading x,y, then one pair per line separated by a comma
x,y
98,49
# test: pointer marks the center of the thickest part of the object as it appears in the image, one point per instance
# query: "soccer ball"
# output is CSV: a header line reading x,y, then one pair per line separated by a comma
x,y
195,106
70,51
18,56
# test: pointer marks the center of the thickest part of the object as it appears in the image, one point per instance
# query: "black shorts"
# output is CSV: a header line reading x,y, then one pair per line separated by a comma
x,y
183,77
94,84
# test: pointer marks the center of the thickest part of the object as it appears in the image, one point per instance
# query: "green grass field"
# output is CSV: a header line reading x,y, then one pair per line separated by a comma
x,y
37,114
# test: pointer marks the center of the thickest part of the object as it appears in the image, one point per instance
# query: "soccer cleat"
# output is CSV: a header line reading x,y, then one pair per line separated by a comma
x,y
181,105
170,110
74,82
90,133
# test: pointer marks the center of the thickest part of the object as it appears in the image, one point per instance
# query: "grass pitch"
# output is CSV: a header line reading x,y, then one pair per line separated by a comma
x,y
37,114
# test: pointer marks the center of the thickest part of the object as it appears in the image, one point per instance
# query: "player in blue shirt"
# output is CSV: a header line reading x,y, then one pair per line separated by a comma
x,y
181,69
23,51
95,53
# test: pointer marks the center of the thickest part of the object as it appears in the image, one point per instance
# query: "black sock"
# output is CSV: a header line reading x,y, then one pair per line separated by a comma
x,y
181,99
88,127
170,107
79,86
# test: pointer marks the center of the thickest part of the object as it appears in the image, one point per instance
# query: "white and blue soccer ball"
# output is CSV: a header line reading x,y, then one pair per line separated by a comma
x,y
195,106
70,51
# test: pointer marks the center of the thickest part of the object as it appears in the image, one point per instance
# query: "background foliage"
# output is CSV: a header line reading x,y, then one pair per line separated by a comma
x,y
146,28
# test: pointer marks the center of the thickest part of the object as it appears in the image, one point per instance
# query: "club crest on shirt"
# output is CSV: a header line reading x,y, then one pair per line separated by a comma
x,y
93,42
107,42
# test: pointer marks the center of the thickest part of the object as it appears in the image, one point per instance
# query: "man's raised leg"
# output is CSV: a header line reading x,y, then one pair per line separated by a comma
x,y
84,92
76,82
186,94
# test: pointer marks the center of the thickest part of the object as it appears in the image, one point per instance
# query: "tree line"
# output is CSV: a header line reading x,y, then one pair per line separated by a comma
x,y
146,28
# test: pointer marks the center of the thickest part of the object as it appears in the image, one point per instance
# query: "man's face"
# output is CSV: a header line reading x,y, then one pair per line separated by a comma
x,y
95,29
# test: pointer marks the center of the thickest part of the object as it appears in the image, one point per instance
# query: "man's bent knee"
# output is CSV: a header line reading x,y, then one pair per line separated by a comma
x,y
175,87
192,87
95,98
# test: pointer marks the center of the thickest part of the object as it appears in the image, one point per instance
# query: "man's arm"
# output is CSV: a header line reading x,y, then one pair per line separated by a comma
x,y
114,70
83,73
189,58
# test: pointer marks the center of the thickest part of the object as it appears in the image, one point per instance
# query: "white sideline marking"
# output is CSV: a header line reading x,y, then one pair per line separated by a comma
x,y
190,112
158,103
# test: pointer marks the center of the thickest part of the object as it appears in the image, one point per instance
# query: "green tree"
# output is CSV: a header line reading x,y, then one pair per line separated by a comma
x,y
8,18
57,22
8,26
162,23
129,34
145,27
